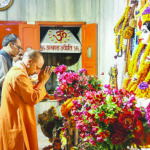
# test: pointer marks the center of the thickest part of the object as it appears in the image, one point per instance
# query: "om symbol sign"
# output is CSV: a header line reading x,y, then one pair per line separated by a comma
x,y
60,35
128,32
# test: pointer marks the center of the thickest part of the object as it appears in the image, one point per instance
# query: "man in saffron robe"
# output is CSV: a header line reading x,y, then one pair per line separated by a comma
x,y
17,114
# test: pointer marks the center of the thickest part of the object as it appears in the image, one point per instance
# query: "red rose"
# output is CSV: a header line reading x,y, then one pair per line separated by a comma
x,y
118,138
128,120
139,133
117,127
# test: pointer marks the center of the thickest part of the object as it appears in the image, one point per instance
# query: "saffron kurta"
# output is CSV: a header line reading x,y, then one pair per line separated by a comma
x,y
17,114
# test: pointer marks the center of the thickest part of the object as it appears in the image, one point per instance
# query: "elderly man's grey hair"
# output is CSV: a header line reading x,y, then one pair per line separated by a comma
x,y
31,54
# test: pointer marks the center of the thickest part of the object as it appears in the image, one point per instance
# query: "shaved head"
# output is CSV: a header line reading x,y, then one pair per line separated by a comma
x,y
32,54
33,60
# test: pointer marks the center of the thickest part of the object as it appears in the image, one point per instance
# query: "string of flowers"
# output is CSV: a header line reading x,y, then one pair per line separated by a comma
x,y
120,32
143,89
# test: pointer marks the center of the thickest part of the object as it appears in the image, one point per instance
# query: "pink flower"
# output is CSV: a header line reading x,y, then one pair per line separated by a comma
x,y
84,128
79,126
116,91
87,106
107,86
92,142
85,112
79,105
107,91
90,95
138,112
94,129
56,70
100,139
60,70
148,123
132,98
74,112
74,102
82,71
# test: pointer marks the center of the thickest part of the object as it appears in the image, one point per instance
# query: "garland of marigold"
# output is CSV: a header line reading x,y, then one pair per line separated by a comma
x,y
143,64
133,63
54,110
120,32
144,93
142,71
66,107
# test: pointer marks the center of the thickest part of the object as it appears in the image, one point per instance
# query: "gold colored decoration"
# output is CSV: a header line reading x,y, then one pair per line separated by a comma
x,y
113,77
119,33
133,23
128,32
128,55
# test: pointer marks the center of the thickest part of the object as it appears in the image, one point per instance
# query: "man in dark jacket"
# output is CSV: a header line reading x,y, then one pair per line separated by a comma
x,y
11,44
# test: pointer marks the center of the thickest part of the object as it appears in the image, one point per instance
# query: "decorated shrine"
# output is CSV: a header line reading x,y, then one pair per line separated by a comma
x,y
98,89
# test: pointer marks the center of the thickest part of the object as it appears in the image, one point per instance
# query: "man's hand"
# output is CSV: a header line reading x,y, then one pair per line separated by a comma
x,y
44,74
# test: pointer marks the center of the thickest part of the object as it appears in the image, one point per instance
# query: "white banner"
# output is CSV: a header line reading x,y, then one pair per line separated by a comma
x,y
60,41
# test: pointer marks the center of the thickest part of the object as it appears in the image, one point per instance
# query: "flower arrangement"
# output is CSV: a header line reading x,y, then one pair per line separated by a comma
x,y
108,119
74,84
50,120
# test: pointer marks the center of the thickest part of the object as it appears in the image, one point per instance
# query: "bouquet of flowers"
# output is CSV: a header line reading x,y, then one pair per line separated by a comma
x,y
74,84
108,119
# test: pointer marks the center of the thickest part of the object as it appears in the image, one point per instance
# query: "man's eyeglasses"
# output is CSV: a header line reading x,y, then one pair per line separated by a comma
x,y
19,47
